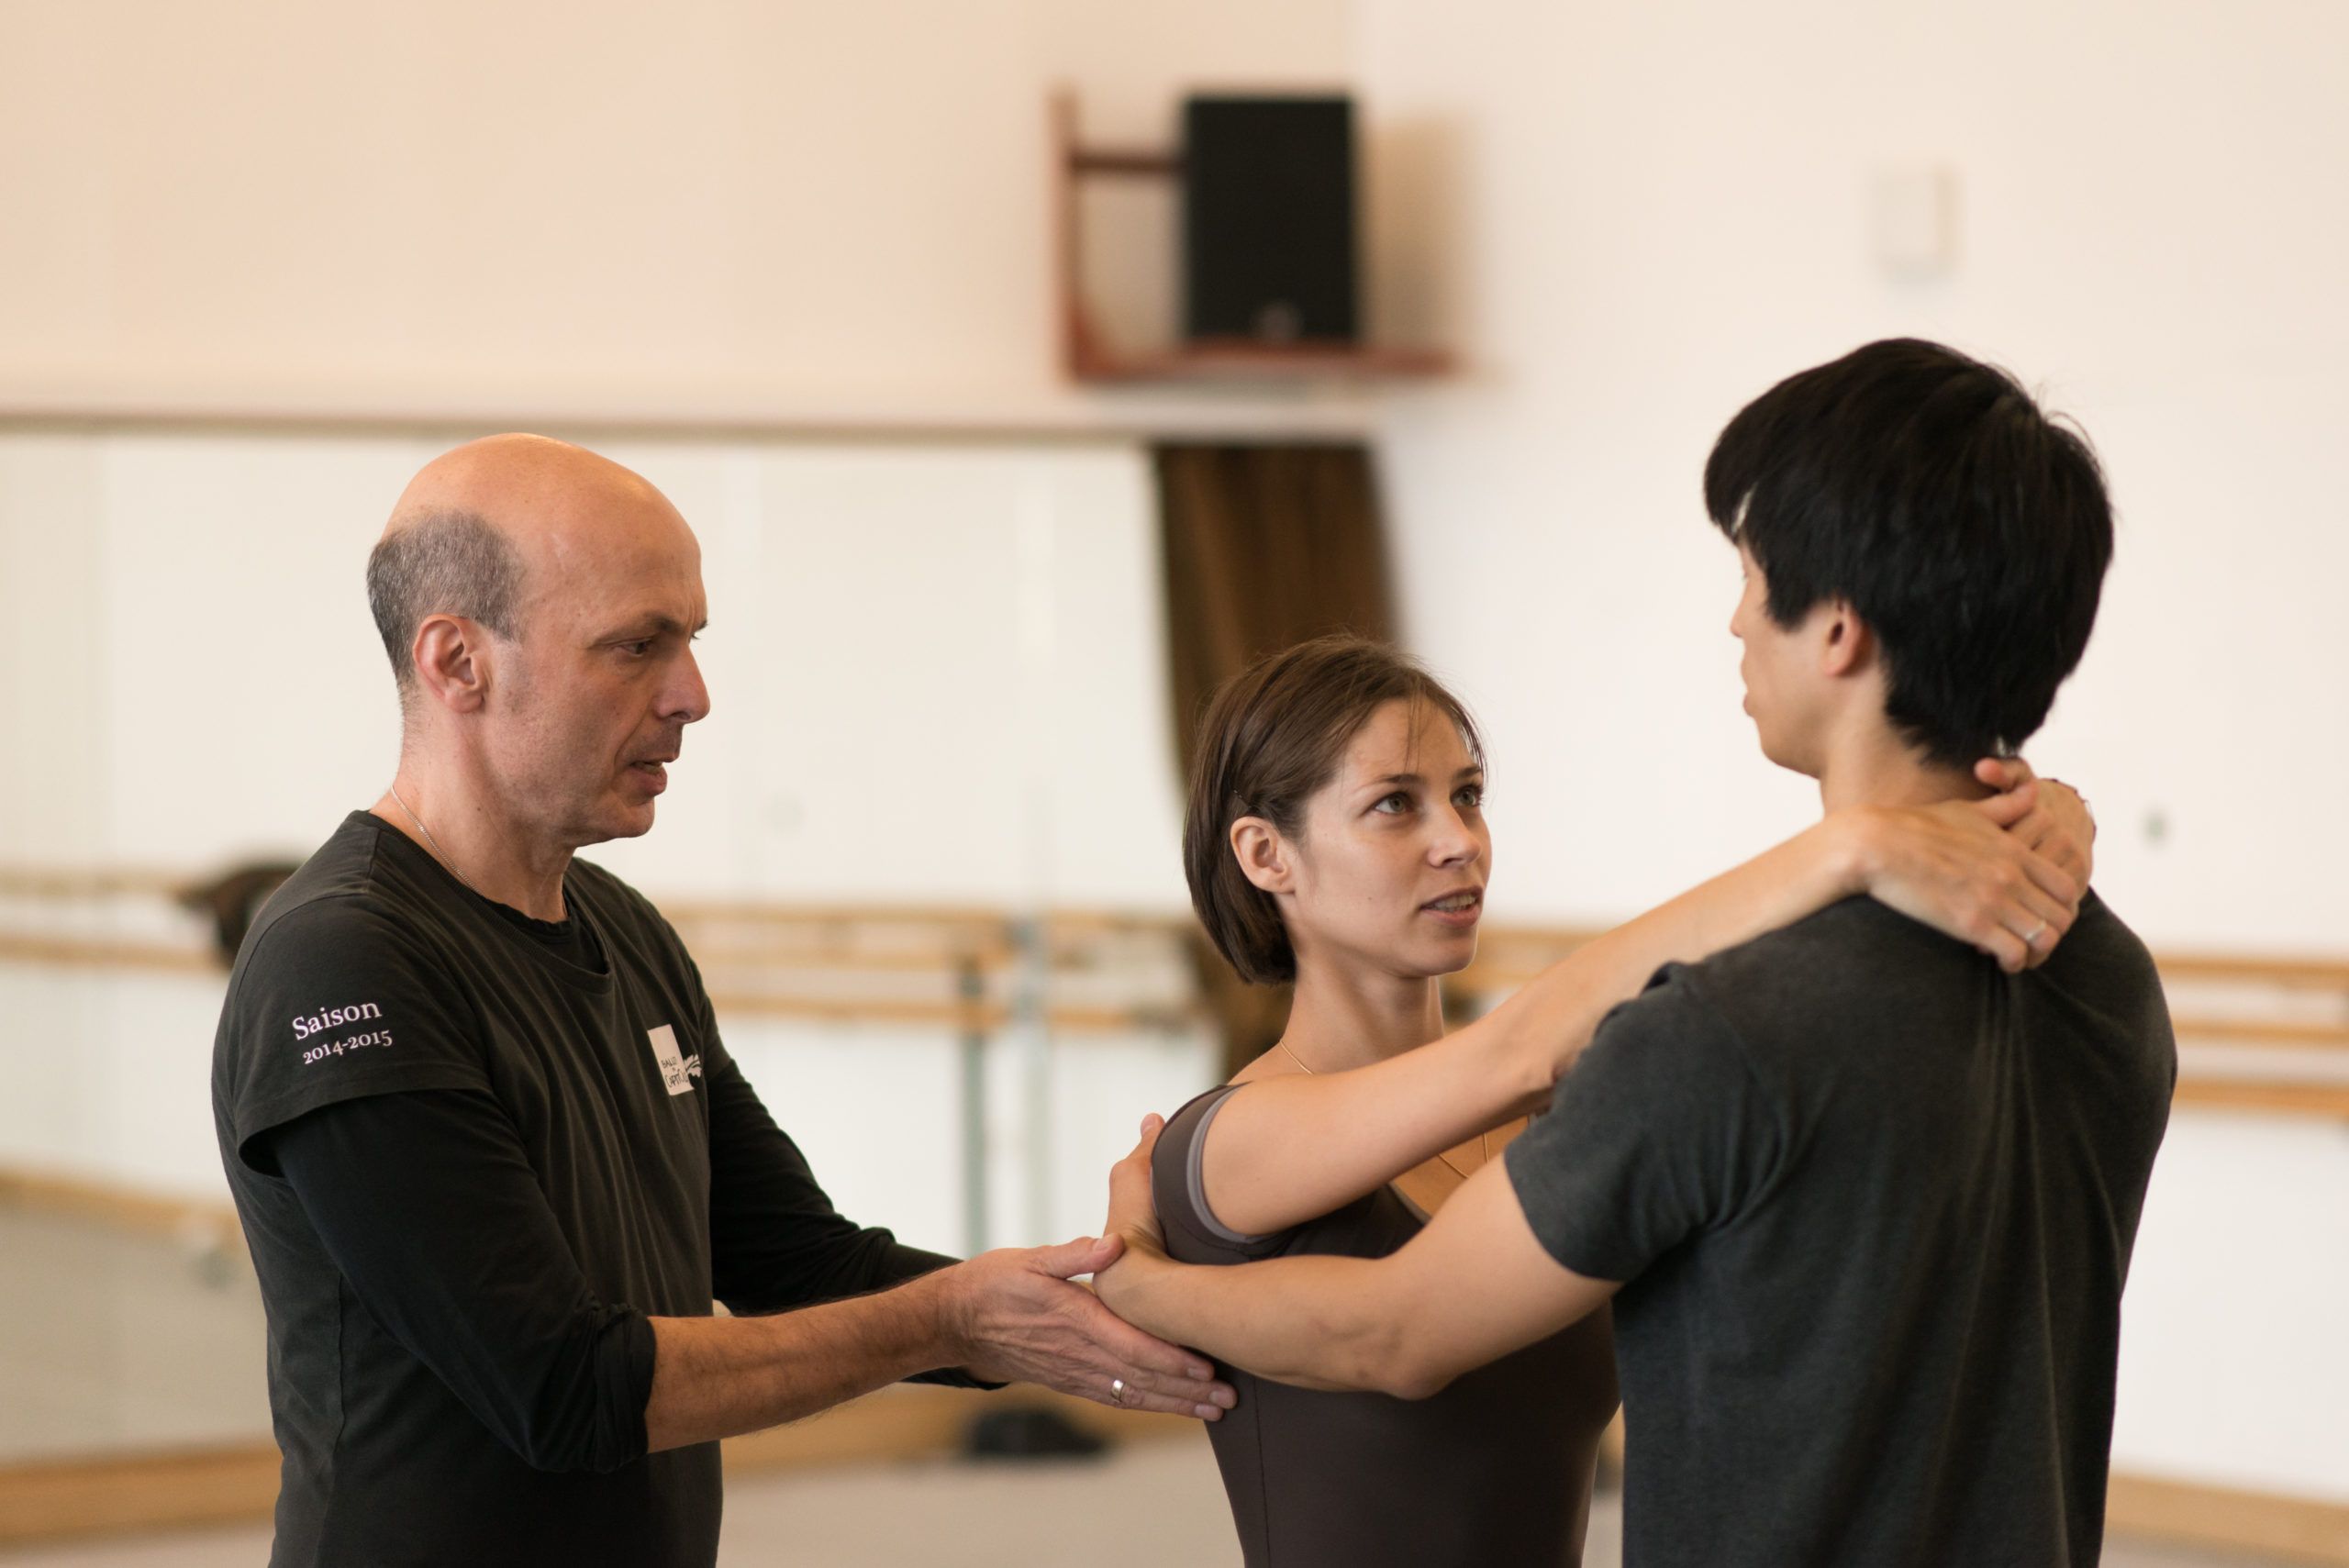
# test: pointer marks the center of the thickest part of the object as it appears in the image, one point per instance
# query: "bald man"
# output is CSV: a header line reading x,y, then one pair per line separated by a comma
x,y
491,1154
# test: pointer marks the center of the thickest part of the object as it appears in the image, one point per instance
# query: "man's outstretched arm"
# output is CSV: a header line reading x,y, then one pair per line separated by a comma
x,y
434,1217
1472,1286
1010,1315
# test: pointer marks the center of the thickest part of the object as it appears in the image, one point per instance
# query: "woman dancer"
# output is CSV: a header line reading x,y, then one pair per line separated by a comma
x,y
1335,837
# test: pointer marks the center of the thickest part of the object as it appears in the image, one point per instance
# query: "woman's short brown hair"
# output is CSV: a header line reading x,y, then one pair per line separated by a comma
x,y
1273,735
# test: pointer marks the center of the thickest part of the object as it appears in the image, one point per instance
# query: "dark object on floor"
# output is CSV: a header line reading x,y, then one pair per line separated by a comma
x,y
1030,1433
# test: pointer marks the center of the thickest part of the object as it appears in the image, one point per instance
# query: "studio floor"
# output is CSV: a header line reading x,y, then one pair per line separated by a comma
x,y
1150,1505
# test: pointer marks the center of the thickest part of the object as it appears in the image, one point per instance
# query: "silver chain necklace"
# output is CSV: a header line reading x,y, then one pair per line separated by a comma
x,y
1483,1139
434,844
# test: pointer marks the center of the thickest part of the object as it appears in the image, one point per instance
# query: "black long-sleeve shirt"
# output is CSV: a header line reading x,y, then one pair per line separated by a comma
x,y
472,1153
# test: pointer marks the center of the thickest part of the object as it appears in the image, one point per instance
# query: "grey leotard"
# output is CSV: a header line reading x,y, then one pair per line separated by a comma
x,y
1493,1471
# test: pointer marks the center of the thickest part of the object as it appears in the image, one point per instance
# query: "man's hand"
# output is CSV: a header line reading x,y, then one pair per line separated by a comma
x,y
1024,1321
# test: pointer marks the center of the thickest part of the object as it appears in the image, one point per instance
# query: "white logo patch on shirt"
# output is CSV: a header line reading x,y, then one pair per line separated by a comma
x,y
310,1026
678,1070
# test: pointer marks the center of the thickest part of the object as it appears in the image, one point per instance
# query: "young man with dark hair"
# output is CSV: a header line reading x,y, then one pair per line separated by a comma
x,y
1864,1202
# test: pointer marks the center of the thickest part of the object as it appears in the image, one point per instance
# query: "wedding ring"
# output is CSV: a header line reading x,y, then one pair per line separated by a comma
x,y
2032,940
1117,1390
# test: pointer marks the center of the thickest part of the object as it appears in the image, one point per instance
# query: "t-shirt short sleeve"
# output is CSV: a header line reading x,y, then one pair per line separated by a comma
x,y
1659,1131
337,1001
1193,1233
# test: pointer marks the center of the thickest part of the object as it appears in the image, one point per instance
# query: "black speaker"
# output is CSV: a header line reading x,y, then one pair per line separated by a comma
x,y
1268,218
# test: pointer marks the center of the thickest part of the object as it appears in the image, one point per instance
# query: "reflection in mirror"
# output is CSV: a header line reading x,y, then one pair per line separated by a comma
x,y
894,660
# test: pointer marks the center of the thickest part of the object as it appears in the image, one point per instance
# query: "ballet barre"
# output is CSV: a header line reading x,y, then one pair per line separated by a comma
x,y
2256,1032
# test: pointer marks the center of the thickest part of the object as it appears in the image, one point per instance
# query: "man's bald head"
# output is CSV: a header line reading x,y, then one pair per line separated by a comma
x,y
539,604
472,526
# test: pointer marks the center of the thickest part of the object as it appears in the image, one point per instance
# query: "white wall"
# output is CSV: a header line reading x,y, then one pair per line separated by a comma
x,y
1656,211
1642,215
717,207
2232,1365
50,579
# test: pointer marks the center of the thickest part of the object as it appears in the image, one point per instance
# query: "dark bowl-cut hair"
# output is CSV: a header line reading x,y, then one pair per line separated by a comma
x,y
1968,530
1273,735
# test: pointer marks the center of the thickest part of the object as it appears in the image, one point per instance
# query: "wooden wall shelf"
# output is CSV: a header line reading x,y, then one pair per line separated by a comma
x,y
1087,355
1242,360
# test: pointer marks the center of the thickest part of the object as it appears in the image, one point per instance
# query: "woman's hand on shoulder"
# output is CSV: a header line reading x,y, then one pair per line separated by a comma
x,y
1133,1211
1996,873
2057,822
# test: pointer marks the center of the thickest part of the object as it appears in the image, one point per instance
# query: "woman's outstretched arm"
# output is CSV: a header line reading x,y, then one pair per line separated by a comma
x,y
1282,1151
1474,1285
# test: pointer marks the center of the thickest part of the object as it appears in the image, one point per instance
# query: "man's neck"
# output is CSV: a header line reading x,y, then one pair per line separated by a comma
x,y
1873,766
456,820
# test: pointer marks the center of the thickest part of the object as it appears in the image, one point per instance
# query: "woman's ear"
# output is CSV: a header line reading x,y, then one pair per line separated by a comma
x,y
1263,855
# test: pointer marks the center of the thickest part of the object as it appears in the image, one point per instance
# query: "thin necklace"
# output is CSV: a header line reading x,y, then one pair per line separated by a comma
x,y
434,844
1483,1147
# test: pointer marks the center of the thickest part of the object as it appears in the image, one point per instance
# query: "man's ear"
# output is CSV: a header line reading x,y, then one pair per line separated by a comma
x,y
1263,855
451,668
1846,645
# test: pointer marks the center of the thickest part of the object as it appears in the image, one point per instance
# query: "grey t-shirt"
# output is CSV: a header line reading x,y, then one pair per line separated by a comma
x,y
1874,1200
